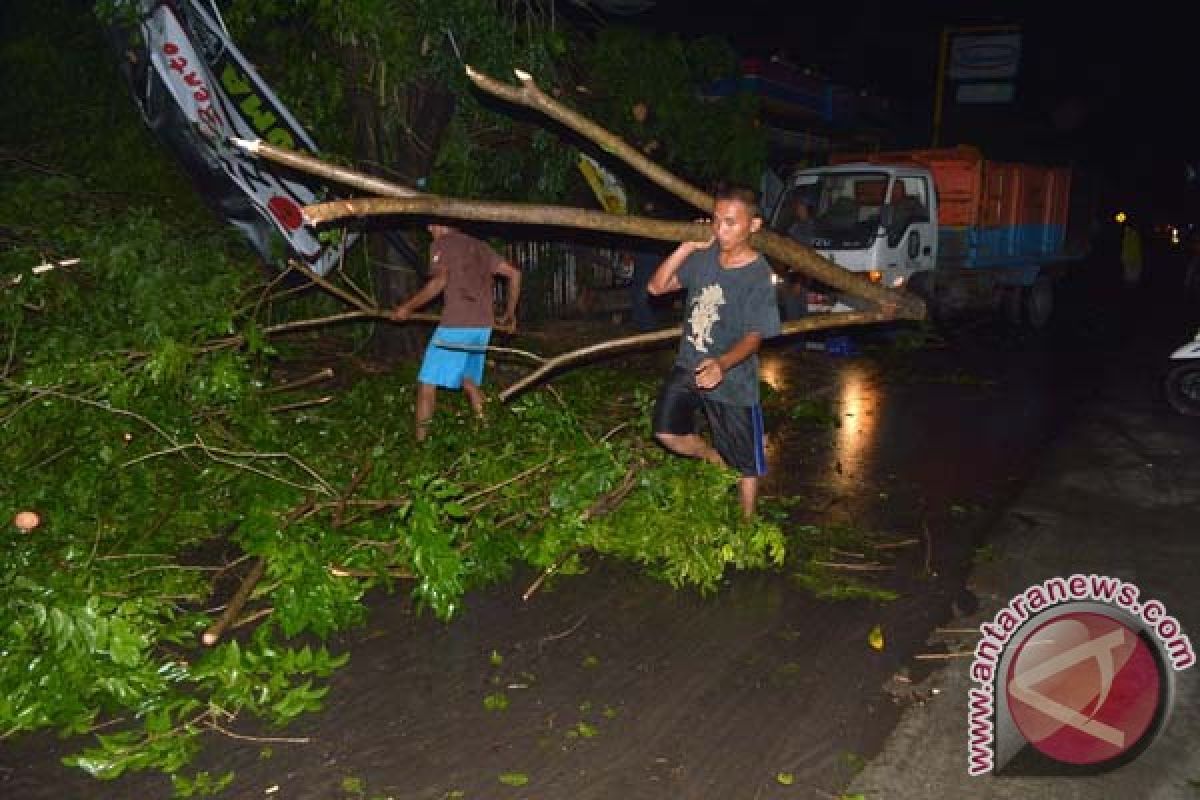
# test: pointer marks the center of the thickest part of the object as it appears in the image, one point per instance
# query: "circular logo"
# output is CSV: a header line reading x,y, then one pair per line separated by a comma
x,y
1084,688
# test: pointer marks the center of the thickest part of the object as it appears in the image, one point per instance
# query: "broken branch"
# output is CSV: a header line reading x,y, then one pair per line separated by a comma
x,y
516,213
302,162
213,634
317,377
795,255
529,95
809,323
799,257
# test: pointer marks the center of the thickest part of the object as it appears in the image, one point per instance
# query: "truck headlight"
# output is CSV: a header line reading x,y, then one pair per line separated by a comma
x,y
875,276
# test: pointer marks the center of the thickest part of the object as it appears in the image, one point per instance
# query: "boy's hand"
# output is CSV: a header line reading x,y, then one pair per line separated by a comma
x,y
692,246
709,374
400,313
507,322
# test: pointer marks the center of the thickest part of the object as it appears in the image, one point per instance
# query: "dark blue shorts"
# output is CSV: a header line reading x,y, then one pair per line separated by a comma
x,y
737,431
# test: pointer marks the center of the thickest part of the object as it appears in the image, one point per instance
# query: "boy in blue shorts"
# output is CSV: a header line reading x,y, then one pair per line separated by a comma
x,y
730,310
463,270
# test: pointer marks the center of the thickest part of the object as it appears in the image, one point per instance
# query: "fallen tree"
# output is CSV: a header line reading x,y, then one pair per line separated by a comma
x,y
395,199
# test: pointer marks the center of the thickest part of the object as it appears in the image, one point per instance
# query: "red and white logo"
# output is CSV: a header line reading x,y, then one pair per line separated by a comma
x,y
1084,688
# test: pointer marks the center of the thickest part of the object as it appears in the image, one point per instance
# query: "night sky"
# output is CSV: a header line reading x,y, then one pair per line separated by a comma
x,y
1105,88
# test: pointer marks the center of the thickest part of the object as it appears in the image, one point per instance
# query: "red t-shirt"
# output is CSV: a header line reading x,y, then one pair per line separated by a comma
x,y
467,300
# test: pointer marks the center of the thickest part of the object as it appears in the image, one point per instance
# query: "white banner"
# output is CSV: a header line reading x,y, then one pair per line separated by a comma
x,y
221,95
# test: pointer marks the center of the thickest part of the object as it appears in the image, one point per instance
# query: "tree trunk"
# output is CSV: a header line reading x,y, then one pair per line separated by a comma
x,y
395,131
411,145
797,256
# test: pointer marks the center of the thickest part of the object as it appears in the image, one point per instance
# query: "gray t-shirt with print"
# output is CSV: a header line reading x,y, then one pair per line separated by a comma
x,y
723,305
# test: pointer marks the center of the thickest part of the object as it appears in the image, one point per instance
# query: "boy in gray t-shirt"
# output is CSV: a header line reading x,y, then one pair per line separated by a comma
x,y
731,309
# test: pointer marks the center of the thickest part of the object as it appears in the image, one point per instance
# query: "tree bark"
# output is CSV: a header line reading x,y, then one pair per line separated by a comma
x,y
813,322
529,95
400,199
213,634
782,248
397,127
799,257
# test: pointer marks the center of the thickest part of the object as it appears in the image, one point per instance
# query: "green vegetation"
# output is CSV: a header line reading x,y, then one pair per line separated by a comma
x,y
516,779
140,424
836,562
815,412
145,425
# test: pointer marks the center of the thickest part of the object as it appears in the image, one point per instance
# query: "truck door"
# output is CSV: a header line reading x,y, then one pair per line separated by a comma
x,y
910,228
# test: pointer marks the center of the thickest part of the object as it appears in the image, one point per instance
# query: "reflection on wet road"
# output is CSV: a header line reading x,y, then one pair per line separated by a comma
x,y
917,431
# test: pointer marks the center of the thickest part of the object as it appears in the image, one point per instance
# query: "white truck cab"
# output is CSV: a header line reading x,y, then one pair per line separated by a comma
x,y
870,218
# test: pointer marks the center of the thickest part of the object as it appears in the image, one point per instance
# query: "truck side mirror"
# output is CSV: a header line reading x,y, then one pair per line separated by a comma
x,y
887,215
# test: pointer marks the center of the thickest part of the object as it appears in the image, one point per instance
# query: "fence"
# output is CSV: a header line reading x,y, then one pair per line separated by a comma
x,y
565,280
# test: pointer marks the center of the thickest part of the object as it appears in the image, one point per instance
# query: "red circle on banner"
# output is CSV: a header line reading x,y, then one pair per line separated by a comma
x,y
1084,688
286,211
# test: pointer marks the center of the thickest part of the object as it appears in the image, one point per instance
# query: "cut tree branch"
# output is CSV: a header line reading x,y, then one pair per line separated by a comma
x,y
799,257
783,248
213,634
812,322
529,95
302,162
317,377
513,213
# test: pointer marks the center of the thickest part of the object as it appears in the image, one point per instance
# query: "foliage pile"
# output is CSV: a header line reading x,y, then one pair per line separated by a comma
x,y
141,423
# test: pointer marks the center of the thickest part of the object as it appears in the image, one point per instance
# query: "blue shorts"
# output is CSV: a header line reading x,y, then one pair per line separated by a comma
x,y
447,367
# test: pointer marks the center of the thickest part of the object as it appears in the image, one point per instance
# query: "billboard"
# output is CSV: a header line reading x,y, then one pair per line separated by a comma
x,y
196,91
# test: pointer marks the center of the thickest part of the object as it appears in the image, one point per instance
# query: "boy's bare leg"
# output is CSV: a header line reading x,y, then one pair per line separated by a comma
x,y
426,399
690,445
474,396
747,495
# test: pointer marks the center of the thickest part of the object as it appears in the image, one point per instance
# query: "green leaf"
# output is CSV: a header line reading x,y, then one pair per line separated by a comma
x,y
514,778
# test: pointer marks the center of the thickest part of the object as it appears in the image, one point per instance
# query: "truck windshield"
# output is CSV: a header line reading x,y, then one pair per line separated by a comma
x,y
839,211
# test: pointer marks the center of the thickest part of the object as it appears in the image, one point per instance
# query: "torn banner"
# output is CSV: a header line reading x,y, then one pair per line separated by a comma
x,y
195,90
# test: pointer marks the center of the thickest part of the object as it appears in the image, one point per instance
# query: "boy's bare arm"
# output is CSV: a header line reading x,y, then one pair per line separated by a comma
x,y
512,276
432,288
711,371
666,279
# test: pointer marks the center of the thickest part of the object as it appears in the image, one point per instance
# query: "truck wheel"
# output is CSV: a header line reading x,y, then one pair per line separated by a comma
x,y
1182,386
1012,305
922,285
1038,303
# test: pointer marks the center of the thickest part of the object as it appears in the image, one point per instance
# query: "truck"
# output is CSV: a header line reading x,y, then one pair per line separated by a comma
x,y
963,232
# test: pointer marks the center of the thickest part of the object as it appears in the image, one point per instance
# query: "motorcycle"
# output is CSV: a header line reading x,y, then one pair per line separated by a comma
x,y
1182,381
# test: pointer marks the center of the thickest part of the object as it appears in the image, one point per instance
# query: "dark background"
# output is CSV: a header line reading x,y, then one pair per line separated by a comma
x,y
1107,87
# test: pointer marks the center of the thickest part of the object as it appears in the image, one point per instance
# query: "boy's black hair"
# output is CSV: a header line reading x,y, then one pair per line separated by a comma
x,y
742,194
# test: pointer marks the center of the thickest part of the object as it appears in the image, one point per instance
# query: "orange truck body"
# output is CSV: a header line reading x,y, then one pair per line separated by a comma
x,y
991,214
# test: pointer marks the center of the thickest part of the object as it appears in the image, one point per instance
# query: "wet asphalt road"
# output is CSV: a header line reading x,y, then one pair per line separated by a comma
x,y
620,687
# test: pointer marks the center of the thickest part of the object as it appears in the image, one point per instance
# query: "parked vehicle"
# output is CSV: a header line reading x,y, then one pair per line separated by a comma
x,y
1182,381
963,232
